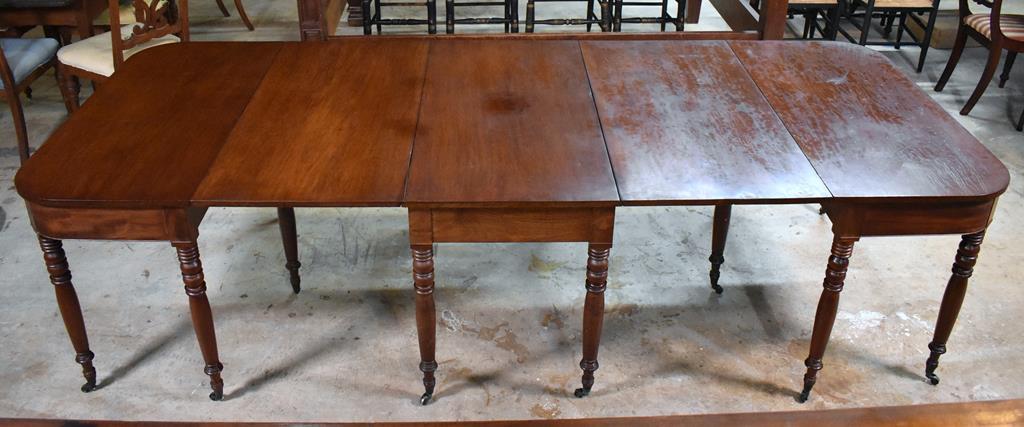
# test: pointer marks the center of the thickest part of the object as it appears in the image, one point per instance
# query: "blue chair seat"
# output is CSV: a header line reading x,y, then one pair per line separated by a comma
x,y
26,55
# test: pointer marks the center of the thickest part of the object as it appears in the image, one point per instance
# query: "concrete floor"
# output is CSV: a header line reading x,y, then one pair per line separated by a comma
x,y
509,315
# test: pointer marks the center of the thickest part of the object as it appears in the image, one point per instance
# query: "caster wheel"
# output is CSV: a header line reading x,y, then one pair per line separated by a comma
x,y
933,379
88,387
718,289
216,396
425,399
582,392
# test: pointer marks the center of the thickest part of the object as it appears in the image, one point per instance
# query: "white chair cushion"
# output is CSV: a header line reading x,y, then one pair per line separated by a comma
x,y
26,55
96,54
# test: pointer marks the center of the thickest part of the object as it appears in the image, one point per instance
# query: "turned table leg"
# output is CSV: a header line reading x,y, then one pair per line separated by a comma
x,y
828,304
719,231
202,318
423,282
286,221
963,267
593,312
70,310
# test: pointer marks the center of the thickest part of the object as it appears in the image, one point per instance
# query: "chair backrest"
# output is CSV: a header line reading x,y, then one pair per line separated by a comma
x,y
153,19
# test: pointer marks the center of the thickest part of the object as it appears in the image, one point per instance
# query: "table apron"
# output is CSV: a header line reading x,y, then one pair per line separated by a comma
x,y
490,225
856,219
167,224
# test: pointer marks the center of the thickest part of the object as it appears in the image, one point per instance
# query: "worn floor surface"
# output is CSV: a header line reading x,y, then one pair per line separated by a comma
x,y
509,315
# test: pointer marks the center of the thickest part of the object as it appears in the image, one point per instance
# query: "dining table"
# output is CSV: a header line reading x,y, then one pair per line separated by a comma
x,y
60,19
510,139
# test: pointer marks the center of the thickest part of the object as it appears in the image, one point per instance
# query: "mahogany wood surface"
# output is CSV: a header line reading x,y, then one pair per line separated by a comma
x,y
866,128
988,413
292,147
685,124
508,122
134,145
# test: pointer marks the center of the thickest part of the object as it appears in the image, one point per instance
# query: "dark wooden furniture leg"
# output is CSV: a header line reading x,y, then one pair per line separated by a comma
x,y
995,51
243,15
828,304
593,312
286,221
202,318
954,58
963,267
70,310
1011,56
423,282
719,231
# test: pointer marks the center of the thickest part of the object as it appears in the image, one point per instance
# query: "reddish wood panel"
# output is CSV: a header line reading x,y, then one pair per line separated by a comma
x,y
331,125
148,136
685,124
508,122
988,413
866,128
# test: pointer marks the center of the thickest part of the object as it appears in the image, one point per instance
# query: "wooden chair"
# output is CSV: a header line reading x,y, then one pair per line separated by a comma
x,y
604,20
241,13
811,9
889,11
664,18
376,19
22,61
95,58
510,17
994,30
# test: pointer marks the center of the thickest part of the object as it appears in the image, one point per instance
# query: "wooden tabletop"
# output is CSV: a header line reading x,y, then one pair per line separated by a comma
x,y
507,122
331,125
869,131
488,123
686,124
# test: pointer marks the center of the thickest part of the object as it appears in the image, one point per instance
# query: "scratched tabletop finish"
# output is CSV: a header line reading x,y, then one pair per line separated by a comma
x,y
686,124
866,128
148,136
332,124
508,123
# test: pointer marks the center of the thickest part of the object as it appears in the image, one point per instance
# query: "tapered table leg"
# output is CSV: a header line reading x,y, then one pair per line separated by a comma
x,y
719,231
593,313
423,282
70,310
202,318
286,221
963,267
828,304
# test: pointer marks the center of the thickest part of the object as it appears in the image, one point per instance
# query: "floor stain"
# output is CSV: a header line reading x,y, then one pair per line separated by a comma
x,y
623,310
541,266
553,319
548,410
506,341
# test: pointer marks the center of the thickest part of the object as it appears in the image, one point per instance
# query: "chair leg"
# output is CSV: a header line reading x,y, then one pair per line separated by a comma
x,y
866,28
431,17
683,12
223,10
954,58
1020,122
1007,66
986,78
590,13
508,16
18,115
243,15
449,16
833,31
70,89
367,18
899,29
617,16
376,11
529,15
926,41
664,14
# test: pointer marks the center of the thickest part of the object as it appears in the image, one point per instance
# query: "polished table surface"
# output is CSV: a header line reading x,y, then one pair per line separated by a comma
x,y
509,141
488,122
